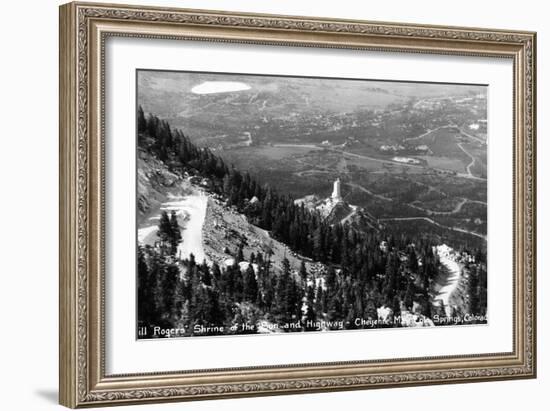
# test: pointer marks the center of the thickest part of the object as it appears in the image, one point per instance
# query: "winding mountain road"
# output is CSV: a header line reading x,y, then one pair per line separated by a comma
x,y
450,278
469,166
191,212
429,132
455,210
380,160
366,190
431,221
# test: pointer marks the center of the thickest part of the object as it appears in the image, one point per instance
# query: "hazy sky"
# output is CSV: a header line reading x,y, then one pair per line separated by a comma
x,y
169,93
171,81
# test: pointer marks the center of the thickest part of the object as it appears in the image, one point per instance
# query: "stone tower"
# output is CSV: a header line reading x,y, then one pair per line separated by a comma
x,y
336,195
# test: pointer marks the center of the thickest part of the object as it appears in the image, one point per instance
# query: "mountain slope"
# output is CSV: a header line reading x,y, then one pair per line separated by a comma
x,y
210,229
225,230
338,211
244,232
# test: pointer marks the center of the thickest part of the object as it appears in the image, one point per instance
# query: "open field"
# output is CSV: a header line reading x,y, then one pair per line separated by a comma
x,y
453,205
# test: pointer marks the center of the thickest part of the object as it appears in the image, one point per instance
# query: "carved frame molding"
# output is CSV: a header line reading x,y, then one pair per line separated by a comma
x,y
83,30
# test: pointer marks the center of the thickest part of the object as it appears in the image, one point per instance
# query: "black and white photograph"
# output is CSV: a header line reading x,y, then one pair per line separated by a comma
x,y
283,204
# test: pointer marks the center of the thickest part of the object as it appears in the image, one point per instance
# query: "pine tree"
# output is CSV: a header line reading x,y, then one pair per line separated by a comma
x,y
216,272
165,230
141,122
310,314
146,309
473,289
335,308
318,246
370,309
482,290
409,295
284,294
303,273
240,253
292,304
175,233
440,310
227,185
319,301
238,282
413,260
426,305
330,279
250,285
391,277
169,284
152,122
206,276
396,309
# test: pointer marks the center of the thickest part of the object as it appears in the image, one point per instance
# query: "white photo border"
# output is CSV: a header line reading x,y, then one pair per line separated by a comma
x,y
125,355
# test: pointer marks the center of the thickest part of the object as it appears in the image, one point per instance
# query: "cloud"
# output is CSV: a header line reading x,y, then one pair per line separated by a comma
x,y
211,87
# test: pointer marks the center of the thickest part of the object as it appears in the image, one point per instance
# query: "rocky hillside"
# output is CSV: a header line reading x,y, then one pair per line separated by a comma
x,y
339,211
154,182
224,229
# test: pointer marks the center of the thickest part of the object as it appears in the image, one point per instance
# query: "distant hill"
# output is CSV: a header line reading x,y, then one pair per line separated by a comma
x,y
270,101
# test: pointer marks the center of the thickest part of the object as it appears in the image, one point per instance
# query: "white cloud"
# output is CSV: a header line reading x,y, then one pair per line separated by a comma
x,y
211,87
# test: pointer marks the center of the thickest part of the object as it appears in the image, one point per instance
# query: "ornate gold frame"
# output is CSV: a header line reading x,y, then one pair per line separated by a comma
x,y
83,30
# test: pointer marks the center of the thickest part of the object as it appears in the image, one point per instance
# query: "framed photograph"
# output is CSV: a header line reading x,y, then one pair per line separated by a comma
x,y
260,204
